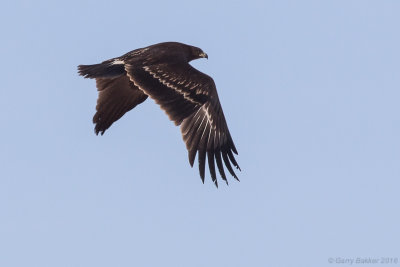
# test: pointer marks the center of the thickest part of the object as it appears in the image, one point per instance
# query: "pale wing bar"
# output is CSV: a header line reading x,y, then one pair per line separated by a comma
x,y
166,87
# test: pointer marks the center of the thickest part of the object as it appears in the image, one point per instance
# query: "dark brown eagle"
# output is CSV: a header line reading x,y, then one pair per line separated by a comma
x,y
188,96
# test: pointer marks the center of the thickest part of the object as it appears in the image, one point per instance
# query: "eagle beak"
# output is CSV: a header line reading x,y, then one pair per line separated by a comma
x,y
204,55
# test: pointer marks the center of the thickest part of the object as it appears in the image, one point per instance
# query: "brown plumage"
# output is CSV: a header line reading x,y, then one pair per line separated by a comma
x,y
188,96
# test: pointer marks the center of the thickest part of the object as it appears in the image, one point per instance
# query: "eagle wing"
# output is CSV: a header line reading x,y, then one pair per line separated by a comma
x,y
117,96
189,97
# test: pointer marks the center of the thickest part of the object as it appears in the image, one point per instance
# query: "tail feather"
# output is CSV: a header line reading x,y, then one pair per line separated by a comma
x,y
102,70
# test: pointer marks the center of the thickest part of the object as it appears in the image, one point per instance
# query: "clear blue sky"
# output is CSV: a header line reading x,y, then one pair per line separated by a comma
x,y
311,93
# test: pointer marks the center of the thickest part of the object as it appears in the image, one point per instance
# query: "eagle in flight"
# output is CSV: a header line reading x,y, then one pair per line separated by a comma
x,y
188,96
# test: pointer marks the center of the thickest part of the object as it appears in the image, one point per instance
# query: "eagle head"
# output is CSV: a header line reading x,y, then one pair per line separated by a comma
x,y
197,53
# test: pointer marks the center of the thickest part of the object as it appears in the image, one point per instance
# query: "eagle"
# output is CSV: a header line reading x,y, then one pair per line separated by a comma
x,y
188,96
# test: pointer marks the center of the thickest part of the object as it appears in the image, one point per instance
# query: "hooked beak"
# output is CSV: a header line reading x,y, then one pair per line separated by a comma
x,y
203,55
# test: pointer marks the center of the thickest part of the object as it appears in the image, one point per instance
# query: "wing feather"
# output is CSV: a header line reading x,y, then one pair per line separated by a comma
x,y
219,164
190,99
117,96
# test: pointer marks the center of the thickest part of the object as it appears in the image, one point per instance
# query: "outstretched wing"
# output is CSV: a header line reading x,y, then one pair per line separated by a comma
x,y
117,94
190,99
116,97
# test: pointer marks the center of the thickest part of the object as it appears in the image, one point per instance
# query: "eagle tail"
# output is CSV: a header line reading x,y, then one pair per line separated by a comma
x,y
102,70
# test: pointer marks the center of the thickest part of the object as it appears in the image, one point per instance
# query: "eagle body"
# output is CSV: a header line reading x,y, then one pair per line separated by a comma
x,y
188,96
